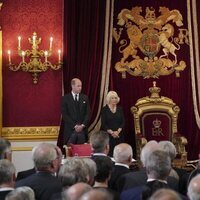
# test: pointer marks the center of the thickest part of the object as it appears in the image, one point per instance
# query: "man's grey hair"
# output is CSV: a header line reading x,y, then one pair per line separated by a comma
x,y
74,170
166,194
21,193
5,146
149,147
158,165
194,188
99,141
168,147
122,153
91,166
75,191
43,155
7,171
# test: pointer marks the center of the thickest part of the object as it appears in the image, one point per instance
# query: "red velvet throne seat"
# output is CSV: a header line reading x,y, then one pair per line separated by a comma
x,y
155,118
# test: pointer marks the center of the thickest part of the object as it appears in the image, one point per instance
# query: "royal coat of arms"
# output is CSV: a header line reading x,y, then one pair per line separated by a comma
x,y
149,47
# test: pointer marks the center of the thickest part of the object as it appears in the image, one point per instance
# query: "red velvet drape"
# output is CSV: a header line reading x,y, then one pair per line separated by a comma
x,y
83,43
83,48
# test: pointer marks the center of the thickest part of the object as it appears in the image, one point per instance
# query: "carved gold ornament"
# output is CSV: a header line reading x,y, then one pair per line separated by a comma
x,y
148,44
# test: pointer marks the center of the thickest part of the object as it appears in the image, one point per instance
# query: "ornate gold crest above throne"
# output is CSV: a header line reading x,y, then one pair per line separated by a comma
x,y
148,44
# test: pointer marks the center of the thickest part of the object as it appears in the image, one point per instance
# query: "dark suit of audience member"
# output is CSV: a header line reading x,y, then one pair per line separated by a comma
x,y
76,113
122,155
112,120
47,161
104,167
7,174
24,174
158,166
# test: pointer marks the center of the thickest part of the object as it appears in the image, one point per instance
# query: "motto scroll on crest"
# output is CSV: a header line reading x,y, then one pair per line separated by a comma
x,y
150,47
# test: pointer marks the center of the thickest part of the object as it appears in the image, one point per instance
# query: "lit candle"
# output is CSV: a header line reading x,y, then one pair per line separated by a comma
x,y
51,41
59,55
23,54
45,55
9,56
34,39
19,42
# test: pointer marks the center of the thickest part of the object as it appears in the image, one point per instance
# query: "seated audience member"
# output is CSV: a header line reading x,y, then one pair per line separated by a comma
x,y
7,178
92,170
122,155
165,194
75,191
138,178
186,178
73,171
100,143
22,193
47,161
5,149
104,169
169,148
97,194
194,188
158,166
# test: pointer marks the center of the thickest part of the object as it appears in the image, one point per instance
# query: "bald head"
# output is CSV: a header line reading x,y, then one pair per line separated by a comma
x,y
123,153
97,194
76,85
165,194
194,188
76,191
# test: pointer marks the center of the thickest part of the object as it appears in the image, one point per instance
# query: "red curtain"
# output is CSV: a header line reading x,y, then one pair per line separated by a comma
x,y
83,43
83,48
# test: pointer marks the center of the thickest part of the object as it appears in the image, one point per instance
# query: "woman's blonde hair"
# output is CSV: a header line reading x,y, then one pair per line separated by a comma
x,y
112,94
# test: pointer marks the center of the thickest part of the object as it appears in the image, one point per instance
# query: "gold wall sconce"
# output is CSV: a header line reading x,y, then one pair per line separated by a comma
x,y
37,60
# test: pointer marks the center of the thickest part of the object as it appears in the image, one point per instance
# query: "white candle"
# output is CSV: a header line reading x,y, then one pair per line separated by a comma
x,y
51,41
59,55
9,56
19,42
23,54
34,39
45,55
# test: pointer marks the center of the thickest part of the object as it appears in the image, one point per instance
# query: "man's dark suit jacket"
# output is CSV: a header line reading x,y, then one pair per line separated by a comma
x,y
136,192
24,174
138,178
72,117
3,194
44,185
116,173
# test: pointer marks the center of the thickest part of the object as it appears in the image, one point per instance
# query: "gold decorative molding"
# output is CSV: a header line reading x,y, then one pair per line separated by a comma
x,y
22,148
30,133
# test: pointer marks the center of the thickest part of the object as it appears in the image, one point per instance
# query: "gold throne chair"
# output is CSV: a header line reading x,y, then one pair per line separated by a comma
x,y
155,118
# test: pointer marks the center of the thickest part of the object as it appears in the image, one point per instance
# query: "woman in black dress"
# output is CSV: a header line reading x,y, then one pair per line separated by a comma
x,y
112,120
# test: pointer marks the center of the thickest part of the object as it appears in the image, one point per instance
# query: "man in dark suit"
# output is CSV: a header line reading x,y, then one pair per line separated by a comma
x,y
158,166
122,155
76,113
7,178
47,161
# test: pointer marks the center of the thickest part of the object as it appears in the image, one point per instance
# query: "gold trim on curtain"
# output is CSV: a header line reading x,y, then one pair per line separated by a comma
x,y
1,117
194,57
95,126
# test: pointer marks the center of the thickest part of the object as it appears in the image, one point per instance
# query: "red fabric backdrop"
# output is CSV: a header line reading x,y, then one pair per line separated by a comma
x,y
26,104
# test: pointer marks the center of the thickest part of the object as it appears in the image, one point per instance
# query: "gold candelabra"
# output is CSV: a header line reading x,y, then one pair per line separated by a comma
x,y
35,64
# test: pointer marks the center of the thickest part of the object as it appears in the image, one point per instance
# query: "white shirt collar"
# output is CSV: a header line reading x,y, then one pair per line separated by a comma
x,y
74,95
152,179
99,154
123,165
6,189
